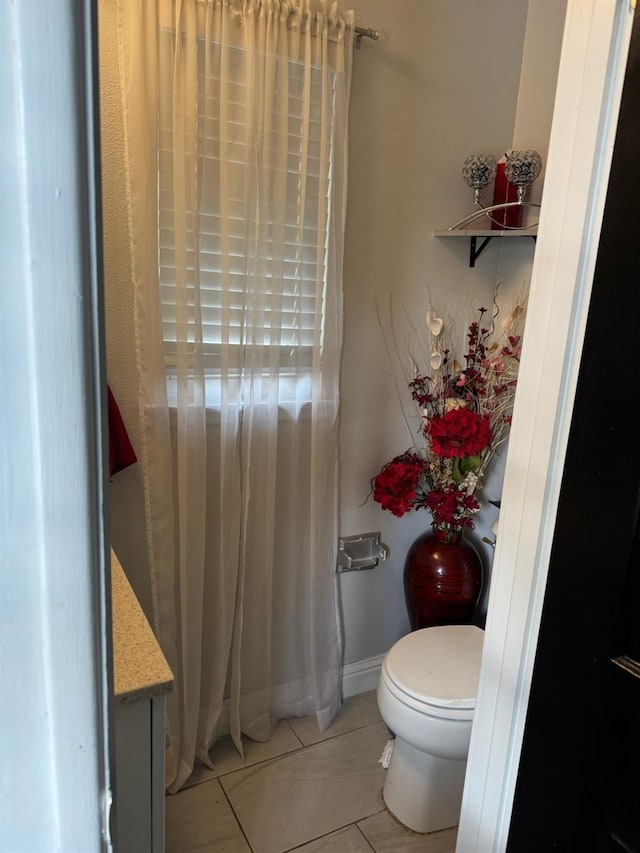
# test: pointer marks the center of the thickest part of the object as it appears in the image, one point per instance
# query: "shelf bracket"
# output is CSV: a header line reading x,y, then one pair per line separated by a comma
x,y
475,251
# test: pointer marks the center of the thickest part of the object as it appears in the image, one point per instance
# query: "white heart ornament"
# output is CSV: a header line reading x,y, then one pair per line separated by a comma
x,y
434,323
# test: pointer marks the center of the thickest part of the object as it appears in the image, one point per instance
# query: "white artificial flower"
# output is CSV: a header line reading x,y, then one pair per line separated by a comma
x,y
471,482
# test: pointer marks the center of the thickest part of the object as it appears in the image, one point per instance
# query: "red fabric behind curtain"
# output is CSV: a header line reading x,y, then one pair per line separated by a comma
x,y
121,452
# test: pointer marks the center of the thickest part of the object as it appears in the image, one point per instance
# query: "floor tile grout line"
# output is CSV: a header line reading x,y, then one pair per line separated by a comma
x,y
346,732
283,755
377,811
235,816
332,832
271,760
245,767
356,823
366,840
295,734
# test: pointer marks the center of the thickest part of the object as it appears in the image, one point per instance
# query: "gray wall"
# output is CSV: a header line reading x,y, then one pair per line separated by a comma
x,y
445,81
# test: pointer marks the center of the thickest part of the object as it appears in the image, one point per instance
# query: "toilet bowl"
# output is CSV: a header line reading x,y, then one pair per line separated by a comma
x,y
426,696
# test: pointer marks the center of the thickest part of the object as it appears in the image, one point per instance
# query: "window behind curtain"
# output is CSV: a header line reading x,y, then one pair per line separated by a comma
x,y
287,312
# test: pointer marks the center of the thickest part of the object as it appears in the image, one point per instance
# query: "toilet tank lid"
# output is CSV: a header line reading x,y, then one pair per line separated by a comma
x,y
438,666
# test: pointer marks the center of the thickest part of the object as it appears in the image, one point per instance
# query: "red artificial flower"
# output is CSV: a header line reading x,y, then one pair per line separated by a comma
x,y
442,505
395,486
460,432
419,392
451,506
458,441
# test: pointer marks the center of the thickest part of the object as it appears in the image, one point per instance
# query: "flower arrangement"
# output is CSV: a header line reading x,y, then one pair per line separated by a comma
x,y
465,413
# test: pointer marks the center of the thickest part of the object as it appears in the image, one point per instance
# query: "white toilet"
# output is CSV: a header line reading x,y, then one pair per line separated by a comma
x,y
426,696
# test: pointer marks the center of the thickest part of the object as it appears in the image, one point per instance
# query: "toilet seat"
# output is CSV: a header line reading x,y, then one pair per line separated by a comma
x,y
436,670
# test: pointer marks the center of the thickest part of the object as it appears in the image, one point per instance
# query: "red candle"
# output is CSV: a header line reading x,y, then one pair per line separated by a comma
x,y
503,191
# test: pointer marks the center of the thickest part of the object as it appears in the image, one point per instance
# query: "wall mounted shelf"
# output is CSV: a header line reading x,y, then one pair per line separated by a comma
x,y
485,235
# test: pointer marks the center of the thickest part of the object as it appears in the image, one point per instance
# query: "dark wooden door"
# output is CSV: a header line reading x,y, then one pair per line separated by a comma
x,y
578,786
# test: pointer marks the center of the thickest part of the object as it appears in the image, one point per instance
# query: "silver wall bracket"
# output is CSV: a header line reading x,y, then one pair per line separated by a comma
x,y
363,551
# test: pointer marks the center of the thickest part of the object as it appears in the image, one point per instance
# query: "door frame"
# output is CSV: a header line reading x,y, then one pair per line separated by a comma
x,y
55,617
591,73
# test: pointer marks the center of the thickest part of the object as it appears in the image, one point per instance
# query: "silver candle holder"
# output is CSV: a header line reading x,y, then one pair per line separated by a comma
x,y
479,170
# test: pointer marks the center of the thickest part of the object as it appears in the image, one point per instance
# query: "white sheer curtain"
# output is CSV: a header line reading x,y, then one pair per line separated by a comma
x,y
235,120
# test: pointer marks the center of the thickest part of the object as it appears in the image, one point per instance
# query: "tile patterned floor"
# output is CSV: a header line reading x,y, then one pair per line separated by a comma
x,y
303,791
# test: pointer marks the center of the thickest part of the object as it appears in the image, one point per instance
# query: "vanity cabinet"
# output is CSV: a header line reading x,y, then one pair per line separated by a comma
x,y
142,679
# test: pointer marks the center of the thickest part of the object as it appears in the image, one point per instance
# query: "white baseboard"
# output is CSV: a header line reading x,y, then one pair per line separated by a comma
x,y
361,676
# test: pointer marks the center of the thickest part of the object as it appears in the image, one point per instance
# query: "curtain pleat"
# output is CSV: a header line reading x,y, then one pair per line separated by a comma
x,y
241,108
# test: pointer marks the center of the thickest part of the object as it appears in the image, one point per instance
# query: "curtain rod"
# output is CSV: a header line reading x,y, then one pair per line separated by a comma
x,y
365,33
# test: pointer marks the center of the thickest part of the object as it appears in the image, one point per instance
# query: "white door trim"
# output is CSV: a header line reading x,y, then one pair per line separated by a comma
x,y
54,613
591,73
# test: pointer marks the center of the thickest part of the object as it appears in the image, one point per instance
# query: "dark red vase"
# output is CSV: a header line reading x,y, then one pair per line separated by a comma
x,y
442,579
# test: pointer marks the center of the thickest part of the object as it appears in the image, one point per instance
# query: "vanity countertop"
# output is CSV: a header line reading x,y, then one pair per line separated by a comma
x,y
140,670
